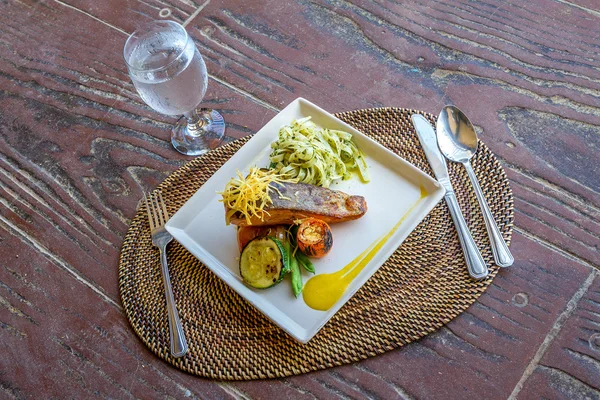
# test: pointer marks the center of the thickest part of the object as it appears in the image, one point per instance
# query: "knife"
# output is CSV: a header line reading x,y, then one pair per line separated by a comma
x,y
475,263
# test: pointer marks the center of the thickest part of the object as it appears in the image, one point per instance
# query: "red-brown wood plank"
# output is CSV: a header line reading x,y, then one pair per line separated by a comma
x,y
571,365
79,147
61,339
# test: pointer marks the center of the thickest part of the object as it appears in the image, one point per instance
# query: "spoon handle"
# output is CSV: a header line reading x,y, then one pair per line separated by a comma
x,y
475,262
502,255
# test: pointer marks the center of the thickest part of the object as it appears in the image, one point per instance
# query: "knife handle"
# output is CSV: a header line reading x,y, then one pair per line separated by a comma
x,y
475,263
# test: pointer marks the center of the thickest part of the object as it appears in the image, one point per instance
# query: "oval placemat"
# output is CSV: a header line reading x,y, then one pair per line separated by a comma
x,y
421,287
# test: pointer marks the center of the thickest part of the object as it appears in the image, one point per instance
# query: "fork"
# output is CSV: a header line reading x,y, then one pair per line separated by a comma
x,y
158,217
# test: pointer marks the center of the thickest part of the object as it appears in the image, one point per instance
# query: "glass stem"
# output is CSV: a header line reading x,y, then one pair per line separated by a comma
x,y
195,123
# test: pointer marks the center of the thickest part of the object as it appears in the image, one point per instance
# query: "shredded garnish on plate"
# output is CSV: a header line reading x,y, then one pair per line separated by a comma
x,y
316,156
250,195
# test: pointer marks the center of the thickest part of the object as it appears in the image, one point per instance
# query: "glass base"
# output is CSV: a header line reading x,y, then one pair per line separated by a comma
x,y
201,140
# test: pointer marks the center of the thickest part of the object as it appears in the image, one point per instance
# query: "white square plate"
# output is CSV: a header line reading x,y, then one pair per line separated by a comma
x,y
394,189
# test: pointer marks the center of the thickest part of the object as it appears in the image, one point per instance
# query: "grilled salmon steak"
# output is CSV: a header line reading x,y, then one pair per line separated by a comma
x,y
300,200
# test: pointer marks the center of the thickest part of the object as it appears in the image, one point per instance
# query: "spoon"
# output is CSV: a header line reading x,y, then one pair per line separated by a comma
x,y
458,142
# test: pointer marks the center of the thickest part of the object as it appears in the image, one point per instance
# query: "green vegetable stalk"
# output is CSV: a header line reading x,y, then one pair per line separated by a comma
x,y
296,277
284,248
304,261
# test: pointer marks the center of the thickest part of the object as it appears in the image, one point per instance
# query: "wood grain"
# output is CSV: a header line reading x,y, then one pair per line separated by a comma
x,y
577,347
78,147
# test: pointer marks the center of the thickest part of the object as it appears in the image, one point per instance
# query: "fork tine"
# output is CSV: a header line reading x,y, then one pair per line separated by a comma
x,y
153,211
149,211
157,211
165,213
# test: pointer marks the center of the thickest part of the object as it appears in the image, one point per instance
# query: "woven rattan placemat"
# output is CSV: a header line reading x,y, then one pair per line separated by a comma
x,y
421,287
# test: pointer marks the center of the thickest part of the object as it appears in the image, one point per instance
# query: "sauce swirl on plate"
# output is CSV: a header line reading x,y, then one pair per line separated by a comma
x,y
322,291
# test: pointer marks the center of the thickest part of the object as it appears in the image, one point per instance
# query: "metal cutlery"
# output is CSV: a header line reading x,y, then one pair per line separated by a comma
x,y
427,136
457,140
158,217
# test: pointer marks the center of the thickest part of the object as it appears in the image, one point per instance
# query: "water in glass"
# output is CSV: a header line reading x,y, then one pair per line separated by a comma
x,y
180,87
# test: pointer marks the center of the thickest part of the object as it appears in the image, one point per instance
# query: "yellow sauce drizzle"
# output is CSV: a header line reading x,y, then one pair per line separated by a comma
x,y
321,292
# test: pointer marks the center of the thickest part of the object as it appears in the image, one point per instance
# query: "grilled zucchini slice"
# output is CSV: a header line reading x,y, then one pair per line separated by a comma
x,y
262,262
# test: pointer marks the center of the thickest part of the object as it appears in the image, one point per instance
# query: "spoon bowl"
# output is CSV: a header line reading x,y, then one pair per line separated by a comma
x,y
457,140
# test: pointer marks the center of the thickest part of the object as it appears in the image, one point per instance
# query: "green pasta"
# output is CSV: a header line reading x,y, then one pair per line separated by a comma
x,y
315,155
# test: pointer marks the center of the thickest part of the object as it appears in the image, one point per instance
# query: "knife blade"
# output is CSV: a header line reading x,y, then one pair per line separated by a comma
x,y
475,262
428,140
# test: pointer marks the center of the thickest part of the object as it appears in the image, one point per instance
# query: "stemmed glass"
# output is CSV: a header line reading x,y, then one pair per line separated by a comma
x,y
170,75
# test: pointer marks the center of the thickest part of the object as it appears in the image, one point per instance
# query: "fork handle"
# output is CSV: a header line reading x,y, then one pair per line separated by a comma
x,y
179,345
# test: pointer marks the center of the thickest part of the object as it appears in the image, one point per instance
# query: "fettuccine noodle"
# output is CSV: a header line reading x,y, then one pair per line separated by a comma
x,y
316,156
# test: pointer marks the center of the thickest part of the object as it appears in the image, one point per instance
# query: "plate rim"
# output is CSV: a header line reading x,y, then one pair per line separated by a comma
x,y
293,328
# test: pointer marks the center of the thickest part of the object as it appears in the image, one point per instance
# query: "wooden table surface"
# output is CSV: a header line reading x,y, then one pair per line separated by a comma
x,y
78,147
